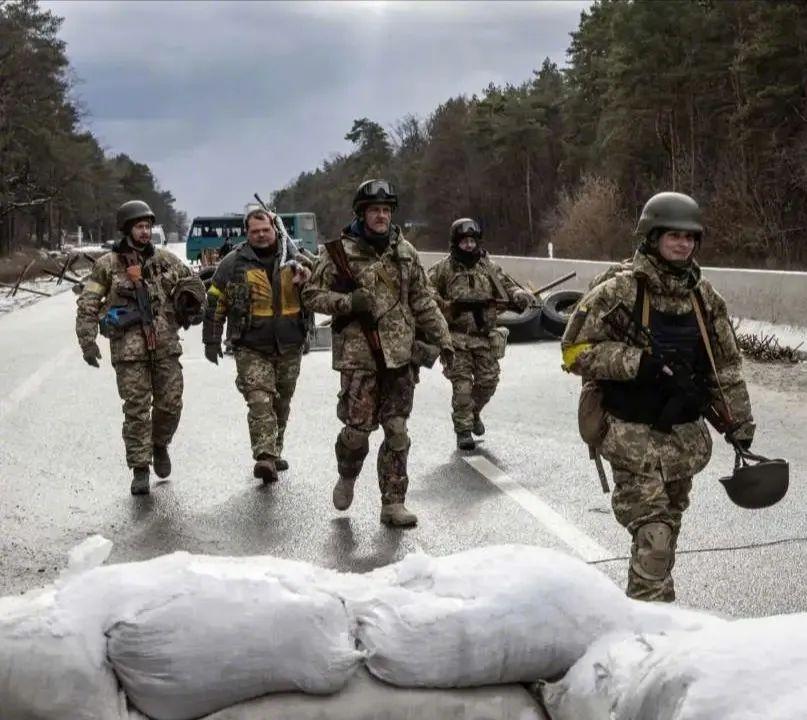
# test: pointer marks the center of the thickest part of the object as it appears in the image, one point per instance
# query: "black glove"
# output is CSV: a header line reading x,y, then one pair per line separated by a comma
x,y
447,357
651,369
92,354
188,310
213,352
361,302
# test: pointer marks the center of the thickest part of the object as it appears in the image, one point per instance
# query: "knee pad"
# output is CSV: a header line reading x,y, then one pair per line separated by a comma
x,y
354,439
395,434
256,397
654,551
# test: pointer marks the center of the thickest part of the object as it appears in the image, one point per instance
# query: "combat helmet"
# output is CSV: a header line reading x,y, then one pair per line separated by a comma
x,y
465,227
374,192
131,211
757,484
670,211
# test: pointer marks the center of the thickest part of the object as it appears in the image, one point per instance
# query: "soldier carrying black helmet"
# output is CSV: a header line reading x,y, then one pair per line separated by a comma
x,y
645,401
142,296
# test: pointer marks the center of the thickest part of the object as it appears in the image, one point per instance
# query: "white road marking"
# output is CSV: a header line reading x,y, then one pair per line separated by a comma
x,y
568,533
32,383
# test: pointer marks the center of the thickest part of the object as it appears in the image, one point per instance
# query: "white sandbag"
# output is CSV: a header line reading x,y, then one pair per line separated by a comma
x,y
365,698
596,684
487,616
743,670
53,652
221,630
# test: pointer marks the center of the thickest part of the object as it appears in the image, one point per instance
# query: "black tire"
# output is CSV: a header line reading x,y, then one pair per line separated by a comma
x,y
524,326
557,309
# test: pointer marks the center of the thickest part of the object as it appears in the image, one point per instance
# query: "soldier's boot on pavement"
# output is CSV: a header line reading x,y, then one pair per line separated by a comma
x,y
161,461
343,493
396,515
140,481
265,469
281,464
465,441
479,426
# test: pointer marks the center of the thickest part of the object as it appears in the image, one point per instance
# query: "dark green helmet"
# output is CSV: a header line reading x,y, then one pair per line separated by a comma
x,y
670,211
465,227
758,485
374,192
131,211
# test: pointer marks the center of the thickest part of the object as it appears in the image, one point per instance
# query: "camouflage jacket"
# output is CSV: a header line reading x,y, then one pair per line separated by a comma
x,y
453,282
108,286
590,350
402,302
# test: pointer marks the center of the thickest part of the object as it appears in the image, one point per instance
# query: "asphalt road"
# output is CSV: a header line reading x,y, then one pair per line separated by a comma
x,y
63,476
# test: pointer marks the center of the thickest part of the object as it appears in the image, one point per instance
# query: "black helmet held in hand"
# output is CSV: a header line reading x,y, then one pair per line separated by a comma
x,y
374,192
758,485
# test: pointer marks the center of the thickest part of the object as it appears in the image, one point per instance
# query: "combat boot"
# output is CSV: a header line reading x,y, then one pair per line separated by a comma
x,y
140,481
343,493
465,441
281,464
479,426
161,462
265,469
397,515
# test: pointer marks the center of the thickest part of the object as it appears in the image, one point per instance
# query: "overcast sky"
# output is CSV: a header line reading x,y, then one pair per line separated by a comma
x,y
223,99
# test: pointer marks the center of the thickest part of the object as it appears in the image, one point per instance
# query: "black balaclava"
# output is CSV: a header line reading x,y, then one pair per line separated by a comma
x,y
379,242
468,258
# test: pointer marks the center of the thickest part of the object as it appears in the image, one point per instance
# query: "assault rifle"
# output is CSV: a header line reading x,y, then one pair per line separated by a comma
x,y
691,389
134,272
348,282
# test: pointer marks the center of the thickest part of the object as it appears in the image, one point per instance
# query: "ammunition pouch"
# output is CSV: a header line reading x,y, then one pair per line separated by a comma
x,y
591,416
117,320
239,316
498,341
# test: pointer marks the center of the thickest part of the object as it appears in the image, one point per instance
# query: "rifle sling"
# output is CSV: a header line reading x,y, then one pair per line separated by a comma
x,y
697,306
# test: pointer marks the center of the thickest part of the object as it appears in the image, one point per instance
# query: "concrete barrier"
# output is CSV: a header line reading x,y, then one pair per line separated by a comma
x,y
769,295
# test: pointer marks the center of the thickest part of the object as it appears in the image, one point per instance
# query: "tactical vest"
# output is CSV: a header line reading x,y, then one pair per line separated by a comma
x,y
639,402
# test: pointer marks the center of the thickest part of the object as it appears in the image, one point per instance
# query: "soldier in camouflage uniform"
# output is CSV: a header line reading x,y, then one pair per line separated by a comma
x,y
145,354
468,285
392,296
653,468
256,290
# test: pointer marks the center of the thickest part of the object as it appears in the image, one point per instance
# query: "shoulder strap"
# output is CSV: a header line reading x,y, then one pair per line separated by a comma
x,y
700,311
490,271
641,308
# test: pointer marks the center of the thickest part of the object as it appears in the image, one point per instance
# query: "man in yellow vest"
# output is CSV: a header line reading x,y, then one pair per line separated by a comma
x,y
256,289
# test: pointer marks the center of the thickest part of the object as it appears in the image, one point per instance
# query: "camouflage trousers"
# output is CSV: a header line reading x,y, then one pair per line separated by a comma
x,y
267,383
367,398
152,404
474,376
650,509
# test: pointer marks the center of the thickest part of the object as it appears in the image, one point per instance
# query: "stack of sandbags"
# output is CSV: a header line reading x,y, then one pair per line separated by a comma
x,y
185,635
494,615
743,670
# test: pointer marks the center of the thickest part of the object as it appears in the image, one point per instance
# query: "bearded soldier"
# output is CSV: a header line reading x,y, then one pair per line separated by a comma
x,y
468,286
142,295
653,432
256,290
373,283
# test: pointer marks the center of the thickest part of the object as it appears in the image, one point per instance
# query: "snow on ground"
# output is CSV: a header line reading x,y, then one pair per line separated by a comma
x,y
24,299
